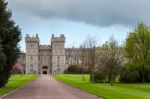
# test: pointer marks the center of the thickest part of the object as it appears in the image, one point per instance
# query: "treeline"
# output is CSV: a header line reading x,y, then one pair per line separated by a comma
x,y
10,35
129,62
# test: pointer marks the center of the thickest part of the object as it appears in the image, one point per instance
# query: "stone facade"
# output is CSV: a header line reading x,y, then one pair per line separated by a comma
x,y
45,58
72,56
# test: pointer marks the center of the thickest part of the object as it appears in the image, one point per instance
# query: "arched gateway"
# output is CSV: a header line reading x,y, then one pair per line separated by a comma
x,y
45,69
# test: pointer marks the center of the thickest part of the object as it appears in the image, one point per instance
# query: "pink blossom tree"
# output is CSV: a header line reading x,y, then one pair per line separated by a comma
x,y
17,69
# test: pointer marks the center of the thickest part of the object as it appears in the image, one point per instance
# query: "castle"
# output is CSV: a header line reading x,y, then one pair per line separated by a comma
x,y
47,59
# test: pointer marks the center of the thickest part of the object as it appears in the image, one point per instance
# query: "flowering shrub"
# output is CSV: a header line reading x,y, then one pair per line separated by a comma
x,y
17,69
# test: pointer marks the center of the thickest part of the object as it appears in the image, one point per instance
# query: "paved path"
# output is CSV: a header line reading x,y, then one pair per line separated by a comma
x,y
46,87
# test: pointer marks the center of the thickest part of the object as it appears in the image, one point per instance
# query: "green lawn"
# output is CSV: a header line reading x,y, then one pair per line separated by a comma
x,y
118,91
16,81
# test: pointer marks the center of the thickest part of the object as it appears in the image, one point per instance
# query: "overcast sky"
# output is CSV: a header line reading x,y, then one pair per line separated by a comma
x,y
78,18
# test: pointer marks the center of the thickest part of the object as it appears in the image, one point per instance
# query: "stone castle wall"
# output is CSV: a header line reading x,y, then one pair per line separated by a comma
x,y
52,58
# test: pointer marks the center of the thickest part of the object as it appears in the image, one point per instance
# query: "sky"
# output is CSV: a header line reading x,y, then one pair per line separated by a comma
x,y
78,18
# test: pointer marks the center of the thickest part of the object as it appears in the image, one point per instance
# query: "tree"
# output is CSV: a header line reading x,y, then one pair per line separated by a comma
x,y
17,69
137,48
83,58
90,55
111,59
2,58
10,35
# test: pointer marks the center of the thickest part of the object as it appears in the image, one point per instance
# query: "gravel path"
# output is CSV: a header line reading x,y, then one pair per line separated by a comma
x,y
46,87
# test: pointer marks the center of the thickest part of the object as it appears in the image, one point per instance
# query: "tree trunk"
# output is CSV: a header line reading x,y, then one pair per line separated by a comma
x,y
92,76
83,75
2,79
143,76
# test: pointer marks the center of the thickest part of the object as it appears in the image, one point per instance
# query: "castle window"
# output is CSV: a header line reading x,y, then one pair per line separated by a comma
x,y
31,45
31,58
77,61
31,70
31,65
58,65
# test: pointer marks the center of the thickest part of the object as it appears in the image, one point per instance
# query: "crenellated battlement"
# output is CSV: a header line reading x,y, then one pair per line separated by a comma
x,y
33,38
61,38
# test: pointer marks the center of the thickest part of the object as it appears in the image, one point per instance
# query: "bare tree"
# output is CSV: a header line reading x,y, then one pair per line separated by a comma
x,y
111,59
89,55
82,55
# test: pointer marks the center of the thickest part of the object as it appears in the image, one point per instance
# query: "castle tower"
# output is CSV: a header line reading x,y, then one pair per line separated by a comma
x,y
58,54
32,48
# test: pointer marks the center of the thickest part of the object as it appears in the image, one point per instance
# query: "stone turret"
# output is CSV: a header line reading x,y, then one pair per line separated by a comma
x,y
32,46
58,39
58,53
32,39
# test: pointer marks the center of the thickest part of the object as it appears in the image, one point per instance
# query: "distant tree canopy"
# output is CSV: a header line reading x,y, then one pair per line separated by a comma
x,y
137,52
10,35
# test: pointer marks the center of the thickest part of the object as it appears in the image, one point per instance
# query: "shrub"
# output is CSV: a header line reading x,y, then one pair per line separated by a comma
x,y
99,77
73,69
17,69
130,75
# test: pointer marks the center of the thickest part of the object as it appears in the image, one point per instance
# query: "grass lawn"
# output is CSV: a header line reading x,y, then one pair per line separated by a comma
x,y
118,91
16,81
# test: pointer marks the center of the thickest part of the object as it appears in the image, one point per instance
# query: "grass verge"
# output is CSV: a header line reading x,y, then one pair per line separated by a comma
x,y
118,91
16,81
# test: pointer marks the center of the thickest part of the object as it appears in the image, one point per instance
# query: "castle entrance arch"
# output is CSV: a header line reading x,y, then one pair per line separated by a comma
x,y
45,69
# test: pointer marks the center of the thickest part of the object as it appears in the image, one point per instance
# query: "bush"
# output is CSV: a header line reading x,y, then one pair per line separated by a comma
x,y
99,77
130,75
17,69
73,69
147,76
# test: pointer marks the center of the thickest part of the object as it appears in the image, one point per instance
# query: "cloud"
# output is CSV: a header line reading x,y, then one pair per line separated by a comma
x,y
95,12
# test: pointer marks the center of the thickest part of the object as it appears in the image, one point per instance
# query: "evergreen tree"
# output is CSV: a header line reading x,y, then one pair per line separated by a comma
x,y
10,35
